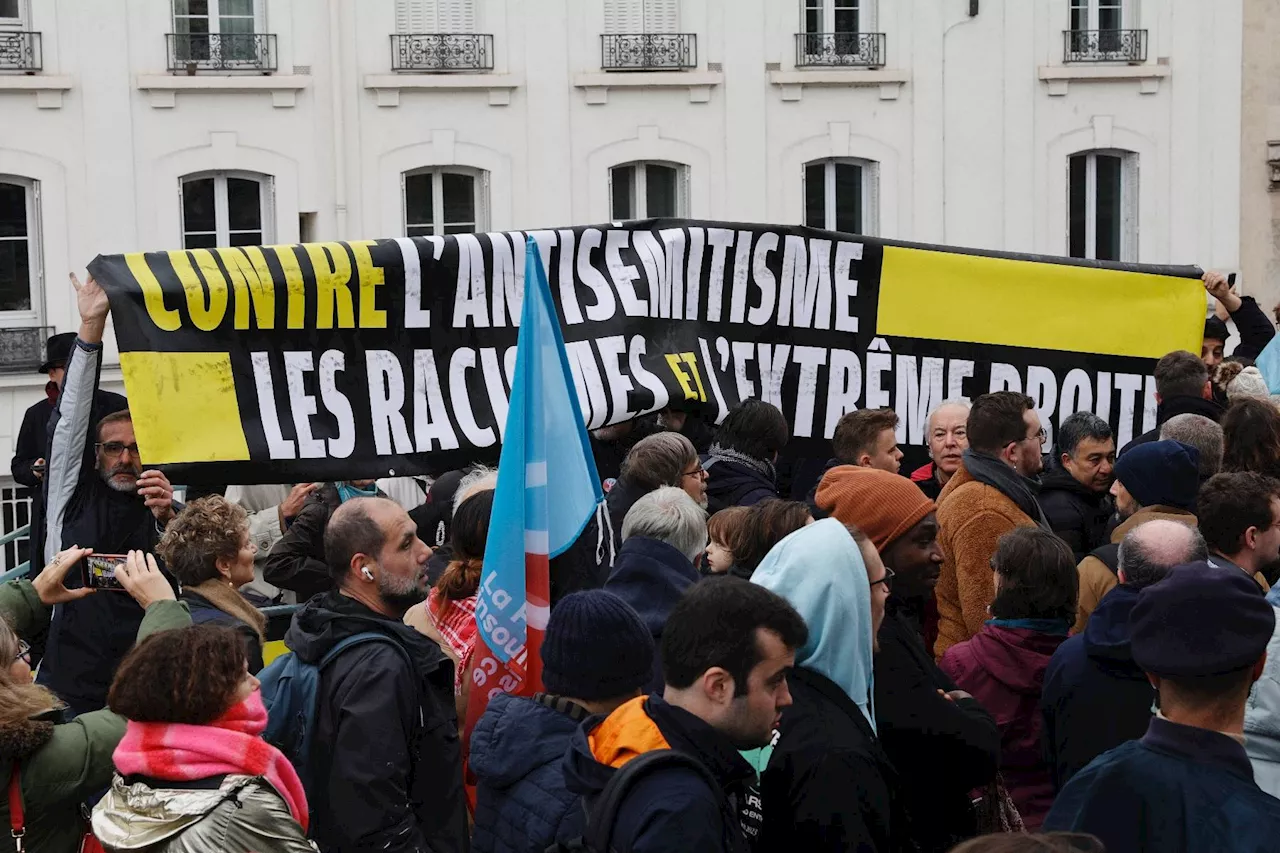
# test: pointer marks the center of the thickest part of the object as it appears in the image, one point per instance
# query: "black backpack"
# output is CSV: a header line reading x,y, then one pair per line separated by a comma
x,y
602,811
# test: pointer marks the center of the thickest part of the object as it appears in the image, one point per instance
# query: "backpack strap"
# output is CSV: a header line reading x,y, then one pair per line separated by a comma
x,y
1109,554
603,813
377,637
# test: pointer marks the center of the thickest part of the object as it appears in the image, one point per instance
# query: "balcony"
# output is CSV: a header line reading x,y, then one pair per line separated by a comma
x,y
22,349
431,52
20,51
648,51
1105,46
840,50
220,52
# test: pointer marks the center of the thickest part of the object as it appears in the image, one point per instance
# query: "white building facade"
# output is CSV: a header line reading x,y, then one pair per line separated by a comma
x,y
1097,128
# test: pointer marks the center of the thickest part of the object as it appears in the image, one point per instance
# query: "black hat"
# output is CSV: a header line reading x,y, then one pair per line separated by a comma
x,y
596,647
435,516
1201,620
57,350
1215,329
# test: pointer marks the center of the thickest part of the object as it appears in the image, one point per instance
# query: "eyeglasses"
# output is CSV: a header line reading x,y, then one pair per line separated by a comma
x,y
696,472
24,652
888,576
115,448
1040,436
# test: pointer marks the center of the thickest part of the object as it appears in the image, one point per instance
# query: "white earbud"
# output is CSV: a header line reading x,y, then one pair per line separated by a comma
x,y
368,575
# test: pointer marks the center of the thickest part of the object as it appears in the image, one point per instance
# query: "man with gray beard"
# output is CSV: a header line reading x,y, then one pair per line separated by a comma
x,y
113,508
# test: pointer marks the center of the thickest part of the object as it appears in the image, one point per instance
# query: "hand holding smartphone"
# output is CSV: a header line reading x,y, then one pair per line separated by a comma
x,y
100,571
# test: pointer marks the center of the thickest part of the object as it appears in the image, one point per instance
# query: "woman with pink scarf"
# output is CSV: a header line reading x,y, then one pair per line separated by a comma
x,y
192,772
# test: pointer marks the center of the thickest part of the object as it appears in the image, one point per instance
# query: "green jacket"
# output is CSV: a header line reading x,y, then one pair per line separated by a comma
x,y
62,765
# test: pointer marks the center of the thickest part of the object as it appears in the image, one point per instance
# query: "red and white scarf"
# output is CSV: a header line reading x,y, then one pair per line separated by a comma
x,y
456,622
231,744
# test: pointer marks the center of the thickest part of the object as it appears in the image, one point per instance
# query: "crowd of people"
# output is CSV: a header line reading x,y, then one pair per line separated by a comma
x,y
1002,650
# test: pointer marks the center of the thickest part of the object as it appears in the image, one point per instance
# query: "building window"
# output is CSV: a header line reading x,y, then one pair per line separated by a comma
x,y
1102,189
214,17
13,13
435,16
1097,14
841,195
648,190
226,209
445,201
837,16
19,251
641,16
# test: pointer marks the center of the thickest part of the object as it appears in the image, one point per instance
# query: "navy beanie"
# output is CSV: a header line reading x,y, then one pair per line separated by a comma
x,y
1200,620
596,648
1161,472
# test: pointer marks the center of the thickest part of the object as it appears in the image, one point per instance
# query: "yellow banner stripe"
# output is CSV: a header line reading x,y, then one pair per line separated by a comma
x,y
1060,307
191,400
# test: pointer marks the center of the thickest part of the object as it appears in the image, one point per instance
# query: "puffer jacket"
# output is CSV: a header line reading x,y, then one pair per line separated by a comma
x,y
517,756
62,764
1262,715
230,814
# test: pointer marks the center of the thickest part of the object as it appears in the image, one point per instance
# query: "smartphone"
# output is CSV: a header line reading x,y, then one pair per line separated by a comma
x,y
37,467
100,571
1231,280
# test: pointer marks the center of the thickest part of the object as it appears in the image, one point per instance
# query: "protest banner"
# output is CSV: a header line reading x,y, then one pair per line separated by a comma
x,y
386,357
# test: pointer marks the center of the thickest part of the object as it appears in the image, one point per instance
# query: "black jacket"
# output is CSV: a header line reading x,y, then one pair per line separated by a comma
x,y
1075,512
587,563
651,576
1177,406
734,484
811,497
203,612
387,756
296,561
672,810
829,785
1255,329
88,637
942,749
1094,696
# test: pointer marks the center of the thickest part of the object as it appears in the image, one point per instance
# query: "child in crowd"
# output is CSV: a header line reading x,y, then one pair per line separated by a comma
x,y
724,529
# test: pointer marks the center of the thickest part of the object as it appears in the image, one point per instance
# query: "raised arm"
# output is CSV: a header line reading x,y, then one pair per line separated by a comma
x,y
71,431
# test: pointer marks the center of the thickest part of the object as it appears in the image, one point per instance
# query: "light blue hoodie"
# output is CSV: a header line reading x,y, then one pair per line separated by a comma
x,y
820,571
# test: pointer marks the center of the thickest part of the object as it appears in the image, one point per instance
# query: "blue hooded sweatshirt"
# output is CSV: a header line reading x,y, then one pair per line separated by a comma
x,y
820,571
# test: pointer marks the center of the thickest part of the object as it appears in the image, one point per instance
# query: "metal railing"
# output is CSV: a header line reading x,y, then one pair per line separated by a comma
x,y
840,50
22,348
195,52
20,51
1104,46
441,52
22,569
648,51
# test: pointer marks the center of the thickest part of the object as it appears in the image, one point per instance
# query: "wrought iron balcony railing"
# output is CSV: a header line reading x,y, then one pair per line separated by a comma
x,y
861,50
441,52
20,51
22,349
648,51
195,52
1105,46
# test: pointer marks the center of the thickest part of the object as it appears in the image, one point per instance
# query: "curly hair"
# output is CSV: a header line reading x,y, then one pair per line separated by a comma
x,y
184,675
205,530
1251,437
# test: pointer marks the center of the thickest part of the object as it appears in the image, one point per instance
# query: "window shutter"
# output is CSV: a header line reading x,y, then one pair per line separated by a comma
x,y
416,16
482,203
624,16
456,16
870,198
661,16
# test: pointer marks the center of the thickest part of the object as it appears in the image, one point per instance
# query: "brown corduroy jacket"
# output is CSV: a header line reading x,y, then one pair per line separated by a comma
x,y
972,517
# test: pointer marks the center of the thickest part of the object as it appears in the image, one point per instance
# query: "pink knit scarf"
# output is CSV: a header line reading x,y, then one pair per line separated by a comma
x,y
178,752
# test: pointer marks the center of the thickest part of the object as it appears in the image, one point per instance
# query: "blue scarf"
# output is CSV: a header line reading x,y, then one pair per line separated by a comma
x,y
346,492
1054,627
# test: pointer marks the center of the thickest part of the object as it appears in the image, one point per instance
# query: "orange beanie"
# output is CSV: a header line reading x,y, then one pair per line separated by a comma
x,y
882,505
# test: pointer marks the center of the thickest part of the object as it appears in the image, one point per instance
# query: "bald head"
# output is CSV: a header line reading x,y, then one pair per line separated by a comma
x,y
1150,550
358,526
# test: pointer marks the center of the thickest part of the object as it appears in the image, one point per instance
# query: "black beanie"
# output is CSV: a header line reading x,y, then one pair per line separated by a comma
x,y
596,648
